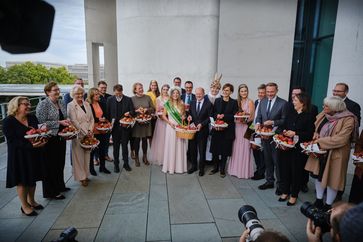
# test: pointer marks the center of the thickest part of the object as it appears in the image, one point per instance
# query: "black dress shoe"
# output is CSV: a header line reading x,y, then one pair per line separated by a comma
x,y
304,188
278,192
283,199
33,213
222,174
214,171
38,207
116,169
201,173
104,170
93,172
319,203
258,177
127,167
266,186
192,170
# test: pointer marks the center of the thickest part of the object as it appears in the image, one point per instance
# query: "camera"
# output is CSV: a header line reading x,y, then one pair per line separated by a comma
x,y
319,217
248,216
68,235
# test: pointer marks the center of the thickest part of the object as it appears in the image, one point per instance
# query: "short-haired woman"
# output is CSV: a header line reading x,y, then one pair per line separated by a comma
x,y
24,161
300,122
222,141
80,114
52,112
98,112
334,131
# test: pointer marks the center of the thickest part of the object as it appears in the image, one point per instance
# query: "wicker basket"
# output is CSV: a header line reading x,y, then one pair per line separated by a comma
x,y
185,134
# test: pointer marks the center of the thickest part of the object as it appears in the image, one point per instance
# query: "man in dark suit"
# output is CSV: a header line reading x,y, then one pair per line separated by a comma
x,y
188,96
67,97
341,90
271,112
177,83
199,112
258,154
118,106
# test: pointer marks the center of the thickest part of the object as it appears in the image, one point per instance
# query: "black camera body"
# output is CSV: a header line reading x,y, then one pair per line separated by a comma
x,y
248,216
68,235
318,216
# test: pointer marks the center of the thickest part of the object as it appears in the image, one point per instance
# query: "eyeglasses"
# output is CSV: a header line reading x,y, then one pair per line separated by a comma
x,y
337,90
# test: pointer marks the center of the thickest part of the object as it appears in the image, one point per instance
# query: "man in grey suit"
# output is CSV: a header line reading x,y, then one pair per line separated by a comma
x,y
271,112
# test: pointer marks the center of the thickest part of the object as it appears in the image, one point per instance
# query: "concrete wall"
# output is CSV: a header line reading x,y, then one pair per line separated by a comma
x,y
161,39
347,56
101,30
256,42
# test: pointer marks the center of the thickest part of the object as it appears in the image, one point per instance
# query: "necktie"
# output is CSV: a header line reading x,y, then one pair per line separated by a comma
x,y
268,108
198,108
188,99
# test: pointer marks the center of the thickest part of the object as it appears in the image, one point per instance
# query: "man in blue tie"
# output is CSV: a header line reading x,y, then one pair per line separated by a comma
x,y
188,96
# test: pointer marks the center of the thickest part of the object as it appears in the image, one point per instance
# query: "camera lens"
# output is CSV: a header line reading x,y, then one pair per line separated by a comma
x,y
248,216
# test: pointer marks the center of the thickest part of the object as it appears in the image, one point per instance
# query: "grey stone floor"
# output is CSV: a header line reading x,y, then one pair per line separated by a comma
x,y
148,205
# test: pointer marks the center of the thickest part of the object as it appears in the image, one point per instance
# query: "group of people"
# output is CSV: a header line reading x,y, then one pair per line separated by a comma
x,y
333,130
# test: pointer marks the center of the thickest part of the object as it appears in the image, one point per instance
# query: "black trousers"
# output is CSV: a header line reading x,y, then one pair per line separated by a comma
x,y
100,150
260,163
291,171
120,136
53,169
198,145
270,155
219,164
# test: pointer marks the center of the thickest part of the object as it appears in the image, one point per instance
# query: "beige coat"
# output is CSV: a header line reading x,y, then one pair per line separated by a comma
x,y
83,122
338,145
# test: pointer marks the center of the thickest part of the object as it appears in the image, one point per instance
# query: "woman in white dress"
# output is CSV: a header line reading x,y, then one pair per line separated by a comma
x,y
175,149
157,150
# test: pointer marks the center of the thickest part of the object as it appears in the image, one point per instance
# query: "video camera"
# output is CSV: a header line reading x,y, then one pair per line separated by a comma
x,y
319,217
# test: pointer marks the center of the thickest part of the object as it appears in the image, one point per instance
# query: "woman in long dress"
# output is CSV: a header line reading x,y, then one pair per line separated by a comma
x,y
80,113
157,150
153,93
175,149
241,164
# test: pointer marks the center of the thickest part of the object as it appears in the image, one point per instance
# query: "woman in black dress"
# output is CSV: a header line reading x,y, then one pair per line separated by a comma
x,y
299,122
52,112
222,140
24,158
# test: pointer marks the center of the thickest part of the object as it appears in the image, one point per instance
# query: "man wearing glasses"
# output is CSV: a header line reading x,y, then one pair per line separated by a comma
x,y
341,90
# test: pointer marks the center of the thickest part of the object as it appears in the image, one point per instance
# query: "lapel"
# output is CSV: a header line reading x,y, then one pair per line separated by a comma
x,y
274,107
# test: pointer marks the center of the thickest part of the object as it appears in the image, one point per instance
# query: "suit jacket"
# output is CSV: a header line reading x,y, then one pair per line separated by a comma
x,y
277,112
83,121
183,97
48,113
353,107
229,112
103,99
202,117
125,106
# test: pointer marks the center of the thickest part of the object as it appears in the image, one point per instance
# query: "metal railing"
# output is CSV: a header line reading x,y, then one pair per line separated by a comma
x,y
4,108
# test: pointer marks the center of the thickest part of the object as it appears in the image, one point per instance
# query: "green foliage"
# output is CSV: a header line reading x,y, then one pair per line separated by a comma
x,y
30,73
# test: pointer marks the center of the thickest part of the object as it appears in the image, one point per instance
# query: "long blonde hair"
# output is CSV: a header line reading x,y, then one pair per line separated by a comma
x,y
179,103
91,94
239,98
14,104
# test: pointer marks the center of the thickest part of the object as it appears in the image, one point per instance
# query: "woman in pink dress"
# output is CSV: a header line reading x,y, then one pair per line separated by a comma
x,y
157,150
241,164
175,149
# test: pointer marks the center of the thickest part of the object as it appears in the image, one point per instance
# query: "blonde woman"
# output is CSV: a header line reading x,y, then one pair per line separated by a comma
x,y
175,149
23,167
157,150
80,114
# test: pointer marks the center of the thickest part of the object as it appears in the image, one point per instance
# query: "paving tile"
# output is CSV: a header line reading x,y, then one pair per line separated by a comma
x,y
10,229
158,223
7,194
137,180
122,203
87,234
225,212
157,176
233,239
217,187
186,200
278,226
127,227
195,233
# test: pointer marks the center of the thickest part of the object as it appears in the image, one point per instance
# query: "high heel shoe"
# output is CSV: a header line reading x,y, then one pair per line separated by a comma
x,y
38,207
137,162
32,214
144,159
283,199
291,203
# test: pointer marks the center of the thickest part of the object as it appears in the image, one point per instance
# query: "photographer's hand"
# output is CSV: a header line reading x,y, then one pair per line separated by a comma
x,y
313,233
244,235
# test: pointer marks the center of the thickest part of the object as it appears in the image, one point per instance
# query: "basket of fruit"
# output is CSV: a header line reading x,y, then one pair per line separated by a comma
x,y
37,136
143,118
219,125
265,131
311,148
284,142
357,157
89,142
127,122
69,132
104,126
241,116
185,131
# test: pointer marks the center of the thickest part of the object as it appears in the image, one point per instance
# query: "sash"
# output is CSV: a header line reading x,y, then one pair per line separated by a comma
x,y
173,112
